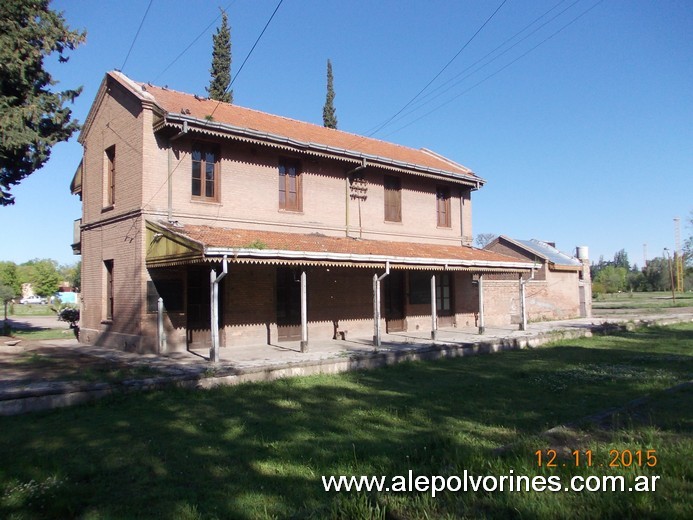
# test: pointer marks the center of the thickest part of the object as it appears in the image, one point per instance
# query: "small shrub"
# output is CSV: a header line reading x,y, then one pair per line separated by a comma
x,y
70,314
256,244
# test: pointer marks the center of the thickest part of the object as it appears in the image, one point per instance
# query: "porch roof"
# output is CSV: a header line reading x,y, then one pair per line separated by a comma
x,y
184,244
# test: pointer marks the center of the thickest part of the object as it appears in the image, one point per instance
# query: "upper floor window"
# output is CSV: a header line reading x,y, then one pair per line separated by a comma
x,y
290,197
109,176
393,199
443,206
205,172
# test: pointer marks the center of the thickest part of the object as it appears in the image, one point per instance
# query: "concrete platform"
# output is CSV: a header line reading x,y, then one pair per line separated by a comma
x,y
20,393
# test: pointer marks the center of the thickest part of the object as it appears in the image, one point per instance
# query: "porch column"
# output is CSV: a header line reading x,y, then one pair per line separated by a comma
x,y
214,318
376,311
161,336
434,315
523,304
304,313
376,303
482,328
214,309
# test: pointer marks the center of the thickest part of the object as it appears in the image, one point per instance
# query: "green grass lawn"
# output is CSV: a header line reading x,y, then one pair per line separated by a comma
x,y
18,309
259,450
42,334
642,300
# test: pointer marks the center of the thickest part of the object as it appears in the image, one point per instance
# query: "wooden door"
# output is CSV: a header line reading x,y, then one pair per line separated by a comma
x,y
288,304
394,302
445,304
197,309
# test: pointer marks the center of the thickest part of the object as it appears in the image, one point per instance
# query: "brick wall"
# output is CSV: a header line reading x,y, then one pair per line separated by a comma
x,y
338,298
249,199
145,169
118,241
113,232
556,297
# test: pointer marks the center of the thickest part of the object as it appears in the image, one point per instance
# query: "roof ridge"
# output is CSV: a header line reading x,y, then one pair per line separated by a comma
x,y
135,86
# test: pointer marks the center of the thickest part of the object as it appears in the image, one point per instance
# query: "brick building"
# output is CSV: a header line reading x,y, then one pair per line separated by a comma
x,y
312,225
559,287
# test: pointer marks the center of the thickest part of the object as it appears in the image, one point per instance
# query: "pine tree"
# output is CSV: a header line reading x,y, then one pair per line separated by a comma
x,y
329,116
32,117
221,63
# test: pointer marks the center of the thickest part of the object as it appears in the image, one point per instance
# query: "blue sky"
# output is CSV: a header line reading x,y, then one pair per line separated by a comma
x,y
585,140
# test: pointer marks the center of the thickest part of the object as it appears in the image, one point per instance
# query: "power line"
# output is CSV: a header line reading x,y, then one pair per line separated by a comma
x,y
243,64
440,72
204,31
431,97
499,70
122,67
249,53
236,75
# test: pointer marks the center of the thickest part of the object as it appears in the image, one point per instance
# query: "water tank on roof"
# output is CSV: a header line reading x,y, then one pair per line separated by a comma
x,y
582,252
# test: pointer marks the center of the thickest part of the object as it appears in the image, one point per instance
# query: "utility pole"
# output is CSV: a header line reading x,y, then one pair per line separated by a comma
x,y
644,254
678,254
671,274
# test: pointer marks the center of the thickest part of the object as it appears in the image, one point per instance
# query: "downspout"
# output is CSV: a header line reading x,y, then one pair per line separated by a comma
x,y
170,165
346,190
214,297
462,190
376,303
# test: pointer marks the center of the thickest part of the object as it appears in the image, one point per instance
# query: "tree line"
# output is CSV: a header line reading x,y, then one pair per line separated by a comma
x,y
618,275
44,275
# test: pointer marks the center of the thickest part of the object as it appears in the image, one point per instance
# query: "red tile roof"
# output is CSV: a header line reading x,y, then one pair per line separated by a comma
x,y
318,246
182,104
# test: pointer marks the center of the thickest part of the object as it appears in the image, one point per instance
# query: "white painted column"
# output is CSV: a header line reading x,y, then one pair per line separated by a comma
x,y
376,303
434,313
523,304
304,313
160,325
214,309
214,318
376,311
482,327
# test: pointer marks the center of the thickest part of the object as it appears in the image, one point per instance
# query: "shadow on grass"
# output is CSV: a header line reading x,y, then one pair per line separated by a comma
x,y
259,450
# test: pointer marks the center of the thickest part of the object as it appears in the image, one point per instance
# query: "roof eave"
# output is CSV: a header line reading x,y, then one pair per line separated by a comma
x,y
537,254
564,267
76,183
266,254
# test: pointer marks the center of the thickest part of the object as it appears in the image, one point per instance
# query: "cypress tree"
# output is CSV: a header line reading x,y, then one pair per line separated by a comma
x,y
221,63
33,118
329,116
